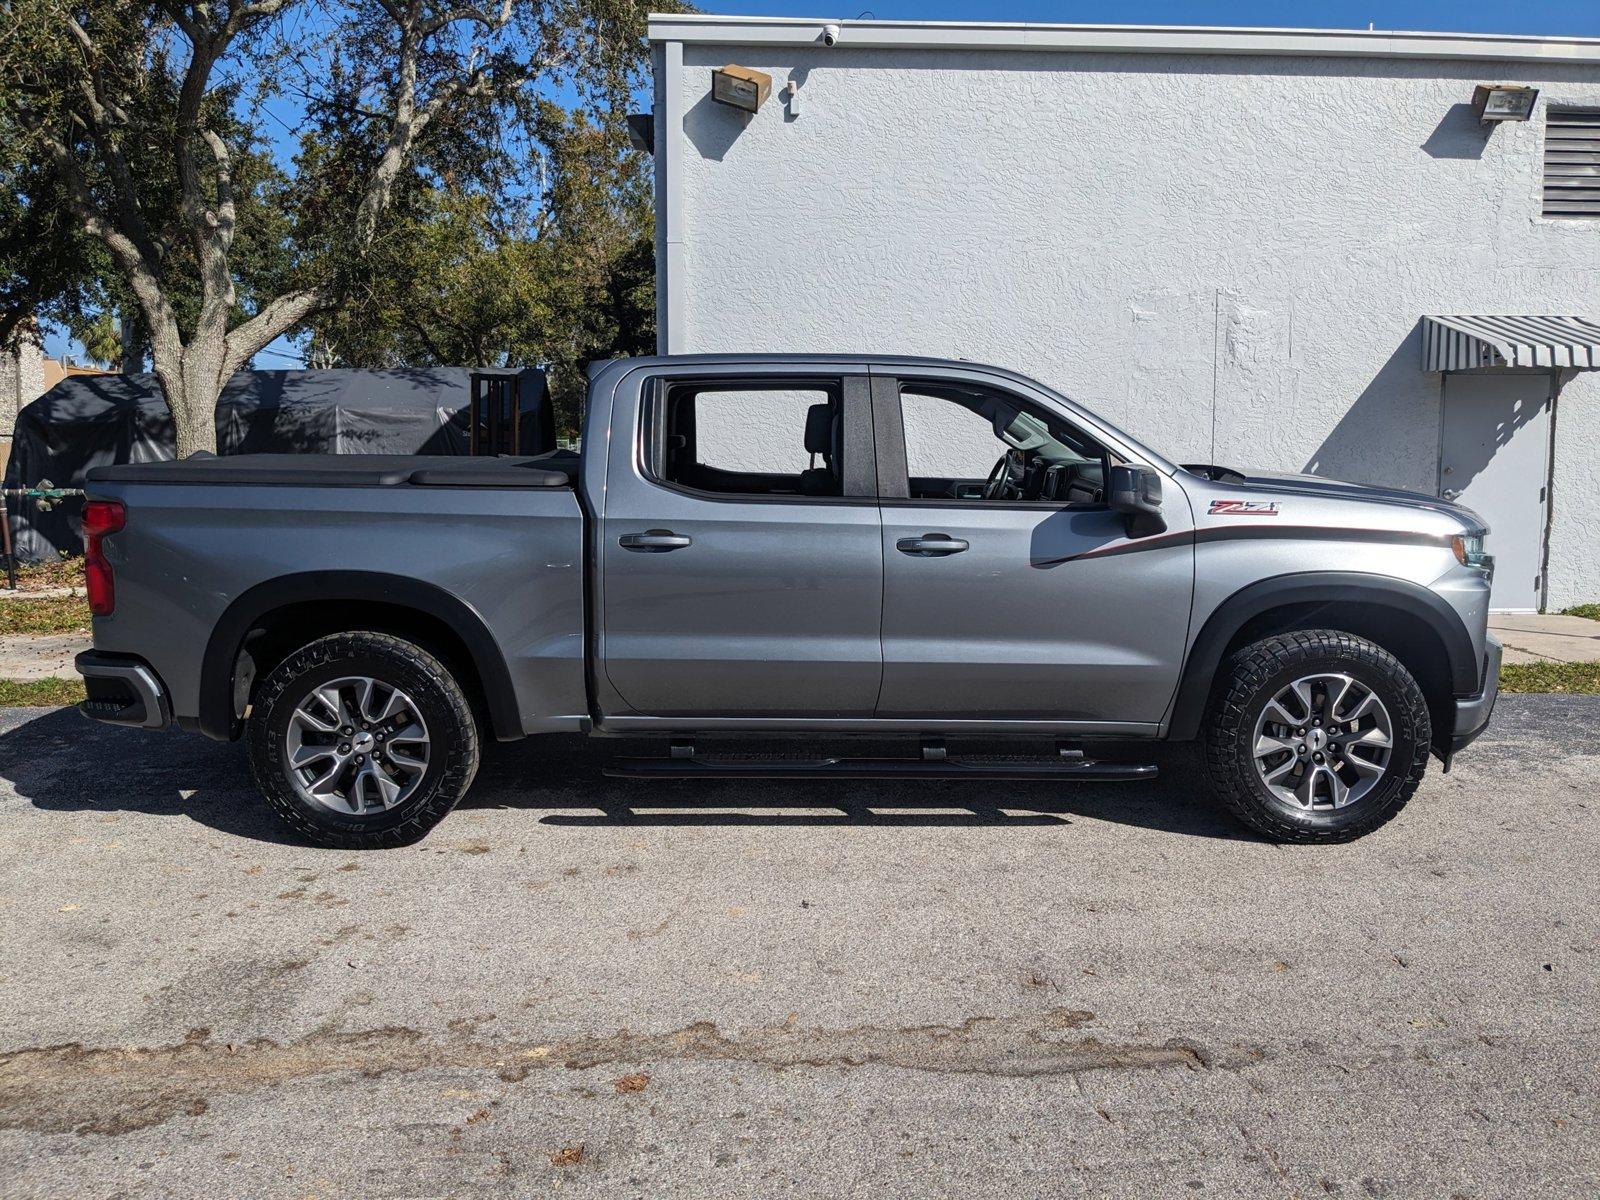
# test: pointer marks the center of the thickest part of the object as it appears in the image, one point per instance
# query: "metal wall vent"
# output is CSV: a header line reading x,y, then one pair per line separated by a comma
x,y
1572,163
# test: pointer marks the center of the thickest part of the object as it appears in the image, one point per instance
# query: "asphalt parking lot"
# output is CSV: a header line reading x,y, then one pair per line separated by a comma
x,y
603,988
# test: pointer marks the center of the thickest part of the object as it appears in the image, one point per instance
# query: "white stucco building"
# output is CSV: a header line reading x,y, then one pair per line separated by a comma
x,y
1227,241
23,368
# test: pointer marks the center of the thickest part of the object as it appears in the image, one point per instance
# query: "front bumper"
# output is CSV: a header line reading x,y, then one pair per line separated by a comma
x,y
123,690
1473,712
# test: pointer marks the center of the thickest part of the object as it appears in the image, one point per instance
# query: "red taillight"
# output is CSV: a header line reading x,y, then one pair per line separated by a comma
x,y
100,518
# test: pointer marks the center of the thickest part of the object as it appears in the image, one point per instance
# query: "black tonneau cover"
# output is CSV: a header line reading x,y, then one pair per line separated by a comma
x,y
558,469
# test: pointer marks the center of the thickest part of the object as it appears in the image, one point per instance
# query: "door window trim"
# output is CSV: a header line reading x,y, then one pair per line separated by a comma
x,y
894,471
859,481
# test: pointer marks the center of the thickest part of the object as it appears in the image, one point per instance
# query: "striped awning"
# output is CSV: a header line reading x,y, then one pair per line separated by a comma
x,y
1470,343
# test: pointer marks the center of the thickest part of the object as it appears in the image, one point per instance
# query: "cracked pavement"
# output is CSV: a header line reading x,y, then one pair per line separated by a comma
x,y
608,988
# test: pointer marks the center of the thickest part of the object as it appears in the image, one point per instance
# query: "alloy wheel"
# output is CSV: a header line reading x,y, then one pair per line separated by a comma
x,y
1323,741
356,745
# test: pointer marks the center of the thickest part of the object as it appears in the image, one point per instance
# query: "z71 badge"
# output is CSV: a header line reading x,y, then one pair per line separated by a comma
x,y
1244,508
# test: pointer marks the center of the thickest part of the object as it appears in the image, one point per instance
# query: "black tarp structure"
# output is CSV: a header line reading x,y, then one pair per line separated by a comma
x,y
94,420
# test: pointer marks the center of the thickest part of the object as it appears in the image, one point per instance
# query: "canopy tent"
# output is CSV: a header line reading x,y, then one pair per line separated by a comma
x,y
91,421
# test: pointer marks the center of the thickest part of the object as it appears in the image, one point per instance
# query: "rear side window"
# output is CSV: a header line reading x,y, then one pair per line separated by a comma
x,y
756,439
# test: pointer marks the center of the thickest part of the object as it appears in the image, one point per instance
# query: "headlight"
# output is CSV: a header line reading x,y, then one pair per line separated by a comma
x,y
1468,550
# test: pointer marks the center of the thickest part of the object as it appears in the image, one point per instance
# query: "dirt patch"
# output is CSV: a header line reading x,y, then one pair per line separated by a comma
x,y
72,1088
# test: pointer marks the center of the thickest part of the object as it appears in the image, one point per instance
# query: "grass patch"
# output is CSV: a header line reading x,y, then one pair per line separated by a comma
x,y
45,576
39,693
45,614
1592,611
1574,678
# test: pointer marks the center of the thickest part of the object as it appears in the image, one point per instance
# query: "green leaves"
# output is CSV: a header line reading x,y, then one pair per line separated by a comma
x,y
480,276
403,181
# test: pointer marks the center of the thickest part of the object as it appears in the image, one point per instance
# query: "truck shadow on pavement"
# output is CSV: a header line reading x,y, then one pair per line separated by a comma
x,y
563,777
60,762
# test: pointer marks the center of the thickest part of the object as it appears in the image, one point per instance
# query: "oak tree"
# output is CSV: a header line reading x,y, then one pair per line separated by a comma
x,y
159,121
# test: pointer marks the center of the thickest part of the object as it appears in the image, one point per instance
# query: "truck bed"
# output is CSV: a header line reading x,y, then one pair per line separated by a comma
x,y
490,549
557,469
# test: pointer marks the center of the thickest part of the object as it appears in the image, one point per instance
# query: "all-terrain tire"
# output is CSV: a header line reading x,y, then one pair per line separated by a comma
x,y
453,738
1254,675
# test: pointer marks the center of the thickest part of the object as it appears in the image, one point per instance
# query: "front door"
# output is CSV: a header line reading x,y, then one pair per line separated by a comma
x,y
742,570
1011,592
1495,459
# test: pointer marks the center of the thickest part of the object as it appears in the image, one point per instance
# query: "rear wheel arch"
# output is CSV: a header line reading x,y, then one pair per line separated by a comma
x,y
1407,620
274,619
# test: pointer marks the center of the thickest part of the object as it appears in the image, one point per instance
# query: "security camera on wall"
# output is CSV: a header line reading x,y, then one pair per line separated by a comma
x,y
830,35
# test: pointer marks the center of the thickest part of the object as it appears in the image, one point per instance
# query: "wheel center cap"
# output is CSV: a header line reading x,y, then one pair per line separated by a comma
x,y
1316,739
363,742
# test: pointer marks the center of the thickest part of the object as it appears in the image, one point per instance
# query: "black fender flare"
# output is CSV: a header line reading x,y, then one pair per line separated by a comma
x,y
1314,587
216,717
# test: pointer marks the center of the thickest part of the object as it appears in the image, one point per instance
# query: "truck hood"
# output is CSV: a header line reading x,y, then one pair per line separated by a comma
x,y
1285,483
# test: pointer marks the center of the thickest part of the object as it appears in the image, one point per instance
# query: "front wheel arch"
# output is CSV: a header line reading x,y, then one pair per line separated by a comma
x,y
1407,620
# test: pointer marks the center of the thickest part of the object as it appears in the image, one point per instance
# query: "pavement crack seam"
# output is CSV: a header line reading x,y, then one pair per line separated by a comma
x,y
113,1090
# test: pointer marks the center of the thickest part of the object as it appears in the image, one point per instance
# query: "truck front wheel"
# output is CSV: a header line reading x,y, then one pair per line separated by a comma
x,y
1316,736
362,741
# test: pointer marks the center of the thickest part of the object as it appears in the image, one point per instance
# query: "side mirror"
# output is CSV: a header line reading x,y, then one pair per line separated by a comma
x,y
1136,492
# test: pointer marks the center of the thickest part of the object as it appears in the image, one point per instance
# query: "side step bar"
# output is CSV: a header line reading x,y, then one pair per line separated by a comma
x,y
1066,767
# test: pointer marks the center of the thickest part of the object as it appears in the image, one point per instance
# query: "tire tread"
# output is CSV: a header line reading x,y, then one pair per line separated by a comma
x,y
1232,774
460,744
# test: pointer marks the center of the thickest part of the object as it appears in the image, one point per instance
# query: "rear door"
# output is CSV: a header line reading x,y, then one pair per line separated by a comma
x,y
742,567
1494,458
1011,592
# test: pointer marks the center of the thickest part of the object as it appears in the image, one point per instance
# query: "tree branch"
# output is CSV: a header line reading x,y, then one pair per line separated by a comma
x,y
273,321
225,202
215,280
143,274
102,114
491,22
421,331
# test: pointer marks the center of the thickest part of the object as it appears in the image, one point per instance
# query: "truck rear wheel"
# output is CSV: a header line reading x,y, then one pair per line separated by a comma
x,y
362,741
1316,736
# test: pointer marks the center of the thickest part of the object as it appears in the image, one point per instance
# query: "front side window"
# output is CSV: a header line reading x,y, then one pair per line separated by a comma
x,y
972,443
757,439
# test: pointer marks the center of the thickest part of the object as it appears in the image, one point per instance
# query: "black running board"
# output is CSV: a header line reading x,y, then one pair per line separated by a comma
x,y
877,768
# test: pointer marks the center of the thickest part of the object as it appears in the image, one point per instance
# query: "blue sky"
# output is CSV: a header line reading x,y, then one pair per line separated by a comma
x,y
1579,18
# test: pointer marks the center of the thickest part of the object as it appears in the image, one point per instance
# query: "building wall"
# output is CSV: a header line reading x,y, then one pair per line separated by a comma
x,y
21,382
1574,547
1226,255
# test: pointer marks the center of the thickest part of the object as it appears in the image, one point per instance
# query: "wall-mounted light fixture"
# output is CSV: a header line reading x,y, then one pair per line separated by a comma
x,y
740,87
642,132
1503,102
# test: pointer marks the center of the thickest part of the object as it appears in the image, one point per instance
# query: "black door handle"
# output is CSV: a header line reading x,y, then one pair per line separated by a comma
x,y
654,541
931,545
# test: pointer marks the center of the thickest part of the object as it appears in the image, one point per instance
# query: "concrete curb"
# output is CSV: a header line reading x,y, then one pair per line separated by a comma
x,y
41,593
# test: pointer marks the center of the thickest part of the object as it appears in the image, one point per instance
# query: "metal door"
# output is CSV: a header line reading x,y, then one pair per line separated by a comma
x,y
1495,458
720,606
1030,611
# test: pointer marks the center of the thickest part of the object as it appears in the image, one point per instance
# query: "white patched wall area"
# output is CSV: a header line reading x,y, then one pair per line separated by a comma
x,y
1227,255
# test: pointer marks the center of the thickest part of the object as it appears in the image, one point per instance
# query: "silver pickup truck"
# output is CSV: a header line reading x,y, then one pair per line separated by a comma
x,y
800,547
